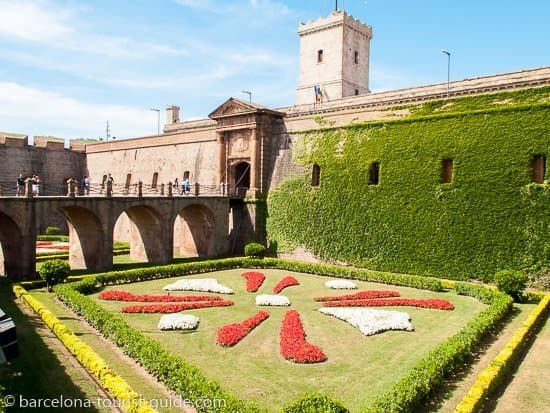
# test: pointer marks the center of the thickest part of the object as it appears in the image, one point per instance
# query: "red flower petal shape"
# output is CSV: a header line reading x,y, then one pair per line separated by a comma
x,y
254,280
361,295
436,303
231,334
285,282
114,295
293,344
174,307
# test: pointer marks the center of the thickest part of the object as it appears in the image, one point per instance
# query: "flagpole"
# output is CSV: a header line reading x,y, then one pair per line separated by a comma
x,y
336,8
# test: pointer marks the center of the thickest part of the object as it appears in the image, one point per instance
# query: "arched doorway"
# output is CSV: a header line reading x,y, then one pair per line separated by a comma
x,y
193,231
10,248
241,177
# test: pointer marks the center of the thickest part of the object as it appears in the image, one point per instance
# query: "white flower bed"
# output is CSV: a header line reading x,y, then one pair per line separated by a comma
x,y
199,284
178,322
274,300
370,321
341,285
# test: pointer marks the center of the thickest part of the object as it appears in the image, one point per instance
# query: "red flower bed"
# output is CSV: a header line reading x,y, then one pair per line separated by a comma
x,y
293,344
285,282
174,307
51,245
254,280
361,295
114,295
231,334
436,303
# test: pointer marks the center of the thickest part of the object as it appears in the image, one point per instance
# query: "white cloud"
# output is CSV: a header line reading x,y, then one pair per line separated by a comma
x,y
48,113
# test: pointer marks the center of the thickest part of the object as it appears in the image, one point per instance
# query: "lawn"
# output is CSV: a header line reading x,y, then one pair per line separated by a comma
x,y
358,368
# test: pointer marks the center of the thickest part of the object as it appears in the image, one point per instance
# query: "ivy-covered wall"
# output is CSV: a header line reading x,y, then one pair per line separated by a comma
x,y
491,216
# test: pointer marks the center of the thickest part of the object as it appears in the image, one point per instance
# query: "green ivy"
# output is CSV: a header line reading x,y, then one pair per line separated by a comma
x,y
490,217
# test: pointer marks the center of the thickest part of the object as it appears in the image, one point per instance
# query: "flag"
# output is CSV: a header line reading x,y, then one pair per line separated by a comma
x,y
318,93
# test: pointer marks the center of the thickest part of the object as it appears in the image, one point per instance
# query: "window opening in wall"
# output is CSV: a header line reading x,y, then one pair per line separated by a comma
x,y
374,173
315,175
128,180
538,168
356,92
446,171
155,180
356,57
320,56
186,175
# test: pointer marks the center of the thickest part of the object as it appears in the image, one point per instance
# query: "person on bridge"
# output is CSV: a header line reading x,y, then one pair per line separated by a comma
x,y
86,185
110,181
185,186
20,186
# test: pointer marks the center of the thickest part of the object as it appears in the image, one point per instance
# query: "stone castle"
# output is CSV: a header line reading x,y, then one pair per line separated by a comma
x,y
244,149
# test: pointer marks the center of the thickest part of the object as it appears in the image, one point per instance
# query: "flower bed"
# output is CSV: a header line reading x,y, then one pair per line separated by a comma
x,y
435,303
178,322
341,285
370,321
200,284
254,280
361,295
285,282
293,344
174,307
272,300
114,295
231,334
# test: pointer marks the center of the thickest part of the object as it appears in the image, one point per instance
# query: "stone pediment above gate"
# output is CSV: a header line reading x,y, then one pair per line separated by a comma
x,y
241,112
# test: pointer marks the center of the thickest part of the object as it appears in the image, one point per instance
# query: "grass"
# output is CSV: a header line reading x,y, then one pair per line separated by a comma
x,y
43,370
255,371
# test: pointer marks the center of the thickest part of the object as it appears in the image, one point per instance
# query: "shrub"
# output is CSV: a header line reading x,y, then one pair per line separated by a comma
x,y
254,250
53,231
511,282
54,271
315,403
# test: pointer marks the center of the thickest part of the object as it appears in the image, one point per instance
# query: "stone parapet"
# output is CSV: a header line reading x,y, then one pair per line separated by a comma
x,y
336,18
14,141
52,144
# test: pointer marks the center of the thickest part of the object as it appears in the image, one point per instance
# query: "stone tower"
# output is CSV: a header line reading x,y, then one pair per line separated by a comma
x,y
334,55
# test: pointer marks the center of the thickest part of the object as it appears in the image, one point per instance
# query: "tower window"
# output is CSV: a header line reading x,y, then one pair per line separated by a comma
x,y
374,173
155,180
356,92
446,171
356,57
320,56
538,168
315,175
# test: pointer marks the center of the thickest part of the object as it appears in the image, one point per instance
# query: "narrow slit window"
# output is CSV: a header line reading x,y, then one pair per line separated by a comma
x,y
538,168
320,56
128,181
315,175
155,180
356,57
356,92
446,171
374,173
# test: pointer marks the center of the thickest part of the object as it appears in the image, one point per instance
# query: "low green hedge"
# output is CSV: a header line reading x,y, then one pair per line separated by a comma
x,y
58,238
186,379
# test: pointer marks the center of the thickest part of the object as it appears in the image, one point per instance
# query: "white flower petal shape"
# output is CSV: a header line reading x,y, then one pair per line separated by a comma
x,y
341,285
370,321
274,300
178,322
199,284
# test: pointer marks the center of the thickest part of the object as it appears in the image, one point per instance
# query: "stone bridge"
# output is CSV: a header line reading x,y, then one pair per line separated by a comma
x,y
198,226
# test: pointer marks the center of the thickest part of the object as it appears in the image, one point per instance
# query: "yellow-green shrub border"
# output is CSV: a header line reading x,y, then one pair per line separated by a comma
x,y
492,375
131,401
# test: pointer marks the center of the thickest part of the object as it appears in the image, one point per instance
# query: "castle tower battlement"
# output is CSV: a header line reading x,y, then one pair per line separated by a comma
x,y
334,58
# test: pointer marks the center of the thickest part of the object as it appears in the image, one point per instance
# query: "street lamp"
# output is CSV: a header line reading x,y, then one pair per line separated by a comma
x,y
249,94
158,119
448,70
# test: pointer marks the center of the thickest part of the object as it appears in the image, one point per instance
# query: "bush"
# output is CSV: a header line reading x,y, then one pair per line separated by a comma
x,y
511,282
54,271
315,403
53,231
254,250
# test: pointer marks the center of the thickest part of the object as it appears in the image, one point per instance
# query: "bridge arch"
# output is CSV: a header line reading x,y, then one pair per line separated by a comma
x,y
11,239
87,246
194,231
146,235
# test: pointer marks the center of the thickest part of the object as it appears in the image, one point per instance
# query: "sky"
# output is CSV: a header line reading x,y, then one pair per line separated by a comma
x,y
69,66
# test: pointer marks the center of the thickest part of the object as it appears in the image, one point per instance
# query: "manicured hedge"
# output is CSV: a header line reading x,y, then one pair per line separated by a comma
x,y
490,217
189,382
109,380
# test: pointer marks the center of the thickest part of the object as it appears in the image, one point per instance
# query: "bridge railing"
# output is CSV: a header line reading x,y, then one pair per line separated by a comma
x,y
139,189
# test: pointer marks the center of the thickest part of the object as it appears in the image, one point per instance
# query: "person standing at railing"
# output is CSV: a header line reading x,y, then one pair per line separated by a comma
x,y
86,186
185,186
20,185
110,181
176,184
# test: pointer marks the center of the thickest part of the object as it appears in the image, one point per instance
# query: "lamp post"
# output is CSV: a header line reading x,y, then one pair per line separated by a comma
x,y
249,94
448,70
158,119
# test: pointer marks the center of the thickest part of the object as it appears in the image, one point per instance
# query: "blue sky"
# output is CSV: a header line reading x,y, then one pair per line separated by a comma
x,y
68,66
